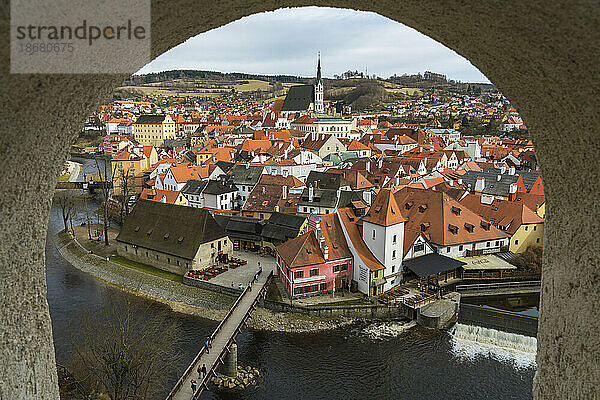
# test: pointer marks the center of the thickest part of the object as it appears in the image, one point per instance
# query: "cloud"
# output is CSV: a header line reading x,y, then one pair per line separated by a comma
x,y
286,41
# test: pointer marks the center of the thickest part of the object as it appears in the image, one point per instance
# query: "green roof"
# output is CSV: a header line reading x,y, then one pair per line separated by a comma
x,y
167,228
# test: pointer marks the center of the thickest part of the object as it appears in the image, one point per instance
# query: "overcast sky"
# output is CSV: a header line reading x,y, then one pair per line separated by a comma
x,y
286,41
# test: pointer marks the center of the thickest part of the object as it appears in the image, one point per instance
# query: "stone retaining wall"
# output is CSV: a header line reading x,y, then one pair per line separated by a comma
x,y
235,292
374,311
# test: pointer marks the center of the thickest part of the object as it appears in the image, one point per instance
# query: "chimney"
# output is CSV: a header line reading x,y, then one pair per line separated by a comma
x,y
264,190
480,184
459,181
311,192
511,170
284,192
451,182
326,252
498,177
368,166
503,169
380,162
397,180
247,165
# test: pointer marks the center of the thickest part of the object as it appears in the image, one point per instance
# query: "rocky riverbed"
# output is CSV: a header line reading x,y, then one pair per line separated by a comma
x,y
246,377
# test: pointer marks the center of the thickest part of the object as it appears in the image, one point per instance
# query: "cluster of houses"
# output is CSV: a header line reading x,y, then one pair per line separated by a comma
x,y
341,201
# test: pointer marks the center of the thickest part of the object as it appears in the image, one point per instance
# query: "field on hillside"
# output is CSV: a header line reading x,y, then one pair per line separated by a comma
x,y
199,87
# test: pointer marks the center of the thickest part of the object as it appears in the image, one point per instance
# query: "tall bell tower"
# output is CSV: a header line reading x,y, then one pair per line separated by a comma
x,y
319,107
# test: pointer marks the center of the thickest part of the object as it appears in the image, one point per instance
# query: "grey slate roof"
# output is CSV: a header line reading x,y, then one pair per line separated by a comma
x,y
277,229
217,187
348,196
325,180
298,98
170,229
150,119
493,186
214,187
287,220
225,166
193,186
430,264
250,175
322,198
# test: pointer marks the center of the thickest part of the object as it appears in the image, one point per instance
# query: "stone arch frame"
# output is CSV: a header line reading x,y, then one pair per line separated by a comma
x,y
542,56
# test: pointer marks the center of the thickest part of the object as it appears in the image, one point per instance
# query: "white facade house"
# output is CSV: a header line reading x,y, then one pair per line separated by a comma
x,y
215,194
289,167
471,147
386,243
460,250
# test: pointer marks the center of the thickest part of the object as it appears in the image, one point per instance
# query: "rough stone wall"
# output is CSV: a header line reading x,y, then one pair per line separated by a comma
x,y
543,56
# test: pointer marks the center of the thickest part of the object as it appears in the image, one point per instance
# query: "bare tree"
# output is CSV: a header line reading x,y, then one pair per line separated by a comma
x,y
128,188
125,351
88,221
105,189
66,202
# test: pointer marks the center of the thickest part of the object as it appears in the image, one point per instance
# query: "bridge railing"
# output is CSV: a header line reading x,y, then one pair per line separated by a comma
x,y
202,384
190,368
499,285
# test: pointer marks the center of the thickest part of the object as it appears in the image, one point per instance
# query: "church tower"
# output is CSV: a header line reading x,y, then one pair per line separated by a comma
x,y
319,107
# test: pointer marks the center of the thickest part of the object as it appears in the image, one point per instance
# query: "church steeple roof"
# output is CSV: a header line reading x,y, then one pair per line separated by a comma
x,y
319,69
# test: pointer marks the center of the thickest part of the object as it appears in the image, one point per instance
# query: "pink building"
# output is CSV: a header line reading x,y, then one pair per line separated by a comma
x,y
111,144
316,261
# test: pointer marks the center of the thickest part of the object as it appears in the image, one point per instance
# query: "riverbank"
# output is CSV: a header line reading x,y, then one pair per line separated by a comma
x,y
186,299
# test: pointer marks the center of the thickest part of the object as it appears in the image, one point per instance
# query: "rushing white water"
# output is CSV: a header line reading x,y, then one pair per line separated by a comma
x,y
470,342
385,330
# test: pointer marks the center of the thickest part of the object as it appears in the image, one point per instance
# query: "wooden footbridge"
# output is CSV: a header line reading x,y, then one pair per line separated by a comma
x,y
221,339
500,288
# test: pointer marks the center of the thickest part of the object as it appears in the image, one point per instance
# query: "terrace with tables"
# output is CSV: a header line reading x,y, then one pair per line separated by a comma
x,y
239,268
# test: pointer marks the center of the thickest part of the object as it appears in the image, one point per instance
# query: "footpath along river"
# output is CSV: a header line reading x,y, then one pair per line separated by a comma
x,y
365,361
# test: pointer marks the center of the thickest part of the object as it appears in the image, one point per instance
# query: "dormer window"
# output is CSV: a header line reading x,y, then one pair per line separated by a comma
x,y
456,210
453,228
485,225
422,208
409,205
469,227
425,226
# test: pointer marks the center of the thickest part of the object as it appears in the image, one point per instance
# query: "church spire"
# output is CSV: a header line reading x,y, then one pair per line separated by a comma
x,y
318,89
319,68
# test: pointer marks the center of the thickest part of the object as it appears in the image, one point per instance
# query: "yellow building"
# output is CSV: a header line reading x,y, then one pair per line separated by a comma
x,y
128,168
153,130
525,226
527,235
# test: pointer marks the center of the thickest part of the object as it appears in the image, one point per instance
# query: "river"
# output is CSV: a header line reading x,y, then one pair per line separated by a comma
x,y
363,362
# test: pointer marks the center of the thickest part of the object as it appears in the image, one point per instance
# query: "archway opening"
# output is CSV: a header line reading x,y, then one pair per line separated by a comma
x,y
547,80
414,104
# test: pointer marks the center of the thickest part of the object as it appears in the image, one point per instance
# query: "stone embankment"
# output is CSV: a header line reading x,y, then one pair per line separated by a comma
x,y
183,298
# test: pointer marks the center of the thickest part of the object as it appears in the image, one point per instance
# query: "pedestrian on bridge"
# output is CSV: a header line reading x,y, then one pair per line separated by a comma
x,y
193,382
203,370
206,346
259,268
250,286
